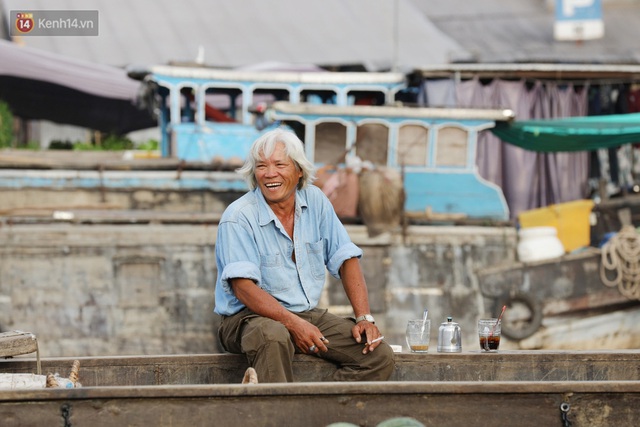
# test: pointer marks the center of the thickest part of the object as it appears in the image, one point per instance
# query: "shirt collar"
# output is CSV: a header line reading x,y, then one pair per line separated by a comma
x,y
266,215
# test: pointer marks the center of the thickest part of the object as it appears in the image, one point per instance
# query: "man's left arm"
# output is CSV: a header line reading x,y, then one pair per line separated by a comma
x,y
356,289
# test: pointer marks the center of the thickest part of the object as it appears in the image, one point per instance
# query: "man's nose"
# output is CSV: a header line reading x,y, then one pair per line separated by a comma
x,y
270,170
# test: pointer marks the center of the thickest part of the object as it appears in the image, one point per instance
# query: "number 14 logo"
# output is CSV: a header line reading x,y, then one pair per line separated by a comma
x,y
24,22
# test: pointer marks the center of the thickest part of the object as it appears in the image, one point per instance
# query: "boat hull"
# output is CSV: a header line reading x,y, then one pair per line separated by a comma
x,y
320,404
524,388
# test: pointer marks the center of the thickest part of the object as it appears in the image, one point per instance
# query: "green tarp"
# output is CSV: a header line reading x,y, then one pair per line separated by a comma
x,y
571,133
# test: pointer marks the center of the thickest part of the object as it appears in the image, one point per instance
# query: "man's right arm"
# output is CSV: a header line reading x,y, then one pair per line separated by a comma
x,y
260,301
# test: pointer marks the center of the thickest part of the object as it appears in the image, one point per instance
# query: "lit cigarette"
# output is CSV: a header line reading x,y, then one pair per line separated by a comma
x,y
376,340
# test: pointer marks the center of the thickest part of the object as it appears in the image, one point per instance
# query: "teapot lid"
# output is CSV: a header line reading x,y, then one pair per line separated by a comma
x,y
449,322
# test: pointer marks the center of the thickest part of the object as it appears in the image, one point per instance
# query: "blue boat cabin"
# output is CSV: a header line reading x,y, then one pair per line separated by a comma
x,y
213,116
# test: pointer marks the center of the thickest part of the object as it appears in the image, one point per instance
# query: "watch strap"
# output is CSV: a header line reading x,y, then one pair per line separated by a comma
x,y
367,317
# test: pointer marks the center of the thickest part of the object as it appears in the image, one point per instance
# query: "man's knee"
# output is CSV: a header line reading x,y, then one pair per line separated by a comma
x,y
264,331
269,349
377,365
383,363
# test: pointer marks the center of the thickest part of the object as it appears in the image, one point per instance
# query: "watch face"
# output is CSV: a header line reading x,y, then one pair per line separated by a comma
x,y
367,317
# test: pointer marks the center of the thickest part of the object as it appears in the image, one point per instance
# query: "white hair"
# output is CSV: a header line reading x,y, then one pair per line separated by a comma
x,y
265,146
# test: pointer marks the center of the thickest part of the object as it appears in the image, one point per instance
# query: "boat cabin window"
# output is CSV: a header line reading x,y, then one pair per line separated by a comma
x,y
226,104
188,105
266,96
413,145
360,97
330,143
271,95
219,104
451,147
318,96
372,143
354,97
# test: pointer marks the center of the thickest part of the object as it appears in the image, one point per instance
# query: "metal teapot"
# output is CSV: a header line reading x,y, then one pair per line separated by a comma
x,y
449,337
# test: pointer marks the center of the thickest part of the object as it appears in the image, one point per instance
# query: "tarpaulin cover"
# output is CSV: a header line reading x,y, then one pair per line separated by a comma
x,y
571,133
44,86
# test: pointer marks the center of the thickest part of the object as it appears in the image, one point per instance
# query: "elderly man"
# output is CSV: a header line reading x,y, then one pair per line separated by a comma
x,y
273,247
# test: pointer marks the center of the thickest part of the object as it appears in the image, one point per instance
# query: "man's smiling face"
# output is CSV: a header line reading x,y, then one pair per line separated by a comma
x,y
277,176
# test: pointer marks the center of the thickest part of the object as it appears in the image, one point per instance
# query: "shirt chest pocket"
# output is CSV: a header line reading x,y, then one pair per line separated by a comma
x,y
315,252
274,274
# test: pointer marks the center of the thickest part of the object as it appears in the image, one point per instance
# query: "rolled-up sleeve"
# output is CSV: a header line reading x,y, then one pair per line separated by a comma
x,y
339,246
344,252
236,251
240,269
236,257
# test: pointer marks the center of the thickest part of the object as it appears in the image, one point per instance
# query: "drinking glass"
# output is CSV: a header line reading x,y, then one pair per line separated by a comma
x,y
489,334
418,333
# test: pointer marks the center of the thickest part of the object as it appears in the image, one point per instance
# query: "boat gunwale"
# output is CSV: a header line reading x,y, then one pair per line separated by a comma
x,y
501,356
376,388
392,111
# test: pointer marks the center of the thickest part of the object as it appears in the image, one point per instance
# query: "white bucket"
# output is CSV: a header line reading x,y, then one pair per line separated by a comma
x,y
539,243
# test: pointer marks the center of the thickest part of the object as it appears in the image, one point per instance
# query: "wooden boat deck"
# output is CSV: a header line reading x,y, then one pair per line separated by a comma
x,y
523,388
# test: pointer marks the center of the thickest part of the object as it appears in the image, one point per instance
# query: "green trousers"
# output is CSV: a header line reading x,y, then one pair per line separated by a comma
x,y
269,347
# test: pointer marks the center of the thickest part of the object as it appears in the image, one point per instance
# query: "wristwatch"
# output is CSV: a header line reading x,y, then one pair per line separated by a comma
x,y
367,317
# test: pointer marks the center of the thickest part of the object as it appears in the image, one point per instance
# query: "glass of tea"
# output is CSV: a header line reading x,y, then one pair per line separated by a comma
x,y
418,333
489,334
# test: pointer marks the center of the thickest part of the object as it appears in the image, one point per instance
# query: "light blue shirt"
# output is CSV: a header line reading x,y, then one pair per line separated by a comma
x,y
253,244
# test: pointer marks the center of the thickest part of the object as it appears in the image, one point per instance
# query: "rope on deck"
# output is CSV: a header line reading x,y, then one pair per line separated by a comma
x,y
621,254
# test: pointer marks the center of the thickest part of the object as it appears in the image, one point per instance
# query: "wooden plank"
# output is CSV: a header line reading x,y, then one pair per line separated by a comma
x,y
14,343
100,161
46,215
319,404
606,297
508,365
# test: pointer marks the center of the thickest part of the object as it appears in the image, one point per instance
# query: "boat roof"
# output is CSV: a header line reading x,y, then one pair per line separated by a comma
x,y
395,111
534,70
239,75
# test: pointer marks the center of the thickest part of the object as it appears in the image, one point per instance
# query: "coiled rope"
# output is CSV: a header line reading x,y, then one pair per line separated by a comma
x,y
621,254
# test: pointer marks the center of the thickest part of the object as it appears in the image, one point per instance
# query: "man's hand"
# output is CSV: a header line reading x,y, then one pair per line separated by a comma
x,y
370,332
307,337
